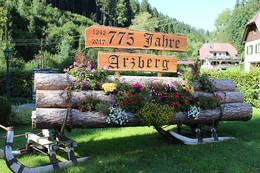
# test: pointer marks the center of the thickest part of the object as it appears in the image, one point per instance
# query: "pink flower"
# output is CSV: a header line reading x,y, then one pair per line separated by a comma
x,y
106,68
179,73
94,71
76,82
65,69
80,83
75,63
80,89
70,66
88,68
80,65
77,68
99,65
190,74
80,74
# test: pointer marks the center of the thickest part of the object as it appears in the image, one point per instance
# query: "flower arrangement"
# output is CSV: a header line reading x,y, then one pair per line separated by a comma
x,y
86,76
117,116
207,102
87,104
172,95
109,87
132,97
193,112
155,114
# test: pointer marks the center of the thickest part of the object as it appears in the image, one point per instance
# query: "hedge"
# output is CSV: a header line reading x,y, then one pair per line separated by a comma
x,y
20,83
247,83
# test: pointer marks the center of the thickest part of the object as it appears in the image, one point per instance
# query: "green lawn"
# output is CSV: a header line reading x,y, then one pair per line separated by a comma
x,y
143,150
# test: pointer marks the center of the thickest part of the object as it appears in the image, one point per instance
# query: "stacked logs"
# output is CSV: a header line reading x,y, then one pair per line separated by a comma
x,y
51,107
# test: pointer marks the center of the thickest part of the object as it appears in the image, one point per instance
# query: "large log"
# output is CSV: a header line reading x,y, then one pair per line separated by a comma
x,y
219,85
61,81
52,118
236,112
52,81
226,96
56,98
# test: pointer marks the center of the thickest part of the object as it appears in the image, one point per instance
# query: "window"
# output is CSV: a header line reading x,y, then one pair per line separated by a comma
x,y
250,50
214,54
227,54
258,48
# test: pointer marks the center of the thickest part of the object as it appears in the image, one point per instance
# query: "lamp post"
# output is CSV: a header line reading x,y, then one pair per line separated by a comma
x,y
7,52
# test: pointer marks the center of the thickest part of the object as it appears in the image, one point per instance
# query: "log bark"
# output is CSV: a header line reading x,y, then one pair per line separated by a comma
x,y
52,118
226,96
145,79
236,112
60,81
56,98
219,84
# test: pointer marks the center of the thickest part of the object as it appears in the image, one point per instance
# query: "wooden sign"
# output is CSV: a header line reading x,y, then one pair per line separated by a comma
x,y
101,36
136,62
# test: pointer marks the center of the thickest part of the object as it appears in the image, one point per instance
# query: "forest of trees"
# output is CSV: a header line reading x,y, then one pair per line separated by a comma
x,y
48,33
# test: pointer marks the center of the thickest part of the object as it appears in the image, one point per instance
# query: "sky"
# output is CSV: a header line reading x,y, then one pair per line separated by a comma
x,y
197,13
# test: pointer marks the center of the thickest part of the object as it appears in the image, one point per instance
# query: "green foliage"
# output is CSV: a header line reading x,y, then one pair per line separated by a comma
x,y
87,104
247,83
20,81
154,114
207,102
103,107
5,110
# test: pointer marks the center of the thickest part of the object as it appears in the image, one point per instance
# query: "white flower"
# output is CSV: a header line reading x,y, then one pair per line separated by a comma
x,y
194,112
116,116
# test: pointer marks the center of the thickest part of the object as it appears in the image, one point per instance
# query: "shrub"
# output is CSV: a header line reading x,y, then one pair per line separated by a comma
x,y
247,83
20,83
154,114
5,110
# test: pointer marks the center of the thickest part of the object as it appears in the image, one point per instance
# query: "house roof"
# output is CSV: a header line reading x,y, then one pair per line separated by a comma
x,y
255,20
186,62
206,48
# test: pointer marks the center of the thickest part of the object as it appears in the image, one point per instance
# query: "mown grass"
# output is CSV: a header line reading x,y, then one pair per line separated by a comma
x,y
143,150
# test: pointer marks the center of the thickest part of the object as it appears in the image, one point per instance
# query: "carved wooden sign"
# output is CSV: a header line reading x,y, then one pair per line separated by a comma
x,y
101,36
136,62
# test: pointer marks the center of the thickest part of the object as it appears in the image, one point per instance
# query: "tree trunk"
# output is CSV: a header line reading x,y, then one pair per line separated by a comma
x,y
56,98
52,118
226,96
219,84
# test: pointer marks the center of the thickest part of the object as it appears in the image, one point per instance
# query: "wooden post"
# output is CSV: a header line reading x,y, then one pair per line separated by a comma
x,y
159,74
117,73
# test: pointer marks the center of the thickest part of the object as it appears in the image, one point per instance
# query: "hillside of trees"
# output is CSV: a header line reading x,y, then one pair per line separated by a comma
x,y
48,33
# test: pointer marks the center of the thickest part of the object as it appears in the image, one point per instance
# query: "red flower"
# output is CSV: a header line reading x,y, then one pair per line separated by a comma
x,y
187,98
176,93
126,100
121,102
172,104
118,93
116,78
177,103
129,93
177,97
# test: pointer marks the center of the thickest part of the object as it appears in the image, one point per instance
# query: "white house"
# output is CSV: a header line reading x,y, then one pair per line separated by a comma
x,y
218,56
251,40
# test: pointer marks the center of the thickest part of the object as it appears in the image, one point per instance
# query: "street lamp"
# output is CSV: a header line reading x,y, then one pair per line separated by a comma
x,y
7,52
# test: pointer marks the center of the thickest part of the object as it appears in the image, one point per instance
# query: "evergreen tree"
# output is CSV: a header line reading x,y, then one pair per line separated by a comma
x,y
145,6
